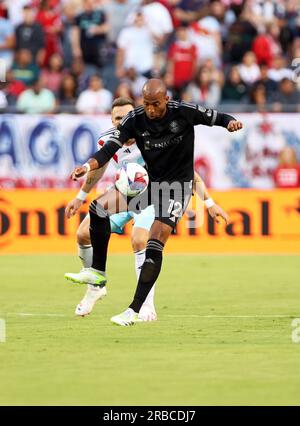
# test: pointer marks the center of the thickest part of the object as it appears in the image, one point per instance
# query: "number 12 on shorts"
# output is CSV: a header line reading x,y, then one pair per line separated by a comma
x,y
175,208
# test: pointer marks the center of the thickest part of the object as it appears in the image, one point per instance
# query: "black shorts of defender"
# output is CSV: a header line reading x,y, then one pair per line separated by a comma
x,y
170,200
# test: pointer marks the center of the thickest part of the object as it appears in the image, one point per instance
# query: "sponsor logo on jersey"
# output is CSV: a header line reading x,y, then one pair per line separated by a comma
x,y
162,143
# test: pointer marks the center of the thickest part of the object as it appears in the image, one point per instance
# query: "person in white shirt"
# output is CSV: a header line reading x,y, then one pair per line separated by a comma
x,y
3,100
206,36
135,48
95,99
279,70
248,69
15,10
158,19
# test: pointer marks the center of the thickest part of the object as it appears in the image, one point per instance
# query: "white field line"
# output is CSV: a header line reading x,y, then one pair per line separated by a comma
x,y
25,314
229,316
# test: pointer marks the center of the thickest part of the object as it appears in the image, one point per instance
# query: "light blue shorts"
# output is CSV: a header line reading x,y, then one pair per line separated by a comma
x,y
142,220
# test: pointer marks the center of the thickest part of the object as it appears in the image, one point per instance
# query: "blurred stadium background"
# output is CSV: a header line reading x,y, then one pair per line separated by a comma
x,y
61,65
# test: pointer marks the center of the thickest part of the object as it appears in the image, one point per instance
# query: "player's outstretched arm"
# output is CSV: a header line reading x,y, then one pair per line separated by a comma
x,y
102,157
209,117
234,126
72,207
81,171
227,121
214,210
92,178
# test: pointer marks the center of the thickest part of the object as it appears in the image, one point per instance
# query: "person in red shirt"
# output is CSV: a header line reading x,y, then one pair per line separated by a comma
x,y
267,46
49,18
3,10
182,60
287,174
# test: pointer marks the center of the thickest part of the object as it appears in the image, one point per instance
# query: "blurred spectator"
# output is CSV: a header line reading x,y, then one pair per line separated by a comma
x,y
95,98
182,59
3,10
89,35
216,74
171,6
133,54
80,73
158,19
287,174
13,88
248,69
67,92
24,69
203,90
36,100
258,97
291,24
7,42
295,62
68,21
270,85
279,69
50,19
187,11
30,35
117,12
123,91
223,15
3,100
206,35
266,46
234,89
15,10
263,11
52,75
135,82
287,98
240,37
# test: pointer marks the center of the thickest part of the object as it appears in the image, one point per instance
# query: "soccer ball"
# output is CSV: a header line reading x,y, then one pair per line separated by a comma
x,y
132,179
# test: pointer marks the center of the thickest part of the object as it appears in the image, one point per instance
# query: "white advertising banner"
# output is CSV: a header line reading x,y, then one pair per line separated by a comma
x,y
40,151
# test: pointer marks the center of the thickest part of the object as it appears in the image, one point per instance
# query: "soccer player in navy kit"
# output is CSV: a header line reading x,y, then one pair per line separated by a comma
x,y
164,133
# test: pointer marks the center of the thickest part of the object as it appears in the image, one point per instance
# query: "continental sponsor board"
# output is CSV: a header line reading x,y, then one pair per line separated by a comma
x,y
33,221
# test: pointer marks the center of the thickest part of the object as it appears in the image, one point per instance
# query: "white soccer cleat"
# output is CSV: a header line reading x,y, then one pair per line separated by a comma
x,y
87,276
147,313
128,317
93,293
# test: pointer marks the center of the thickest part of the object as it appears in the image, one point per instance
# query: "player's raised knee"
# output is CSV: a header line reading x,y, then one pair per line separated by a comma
x,y
138,243
83,235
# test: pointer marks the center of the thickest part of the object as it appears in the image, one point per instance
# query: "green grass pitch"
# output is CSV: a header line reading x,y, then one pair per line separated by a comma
x,y
223,334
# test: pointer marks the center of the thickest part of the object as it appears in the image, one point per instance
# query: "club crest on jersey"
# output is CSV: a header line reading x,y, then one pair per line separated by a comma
x,y
201,108
147,145
174,127
117,133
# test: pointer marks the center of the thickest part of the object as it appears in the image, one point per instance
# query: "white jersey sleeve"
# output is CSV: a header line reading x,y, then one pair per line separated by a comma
x,y
126,154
